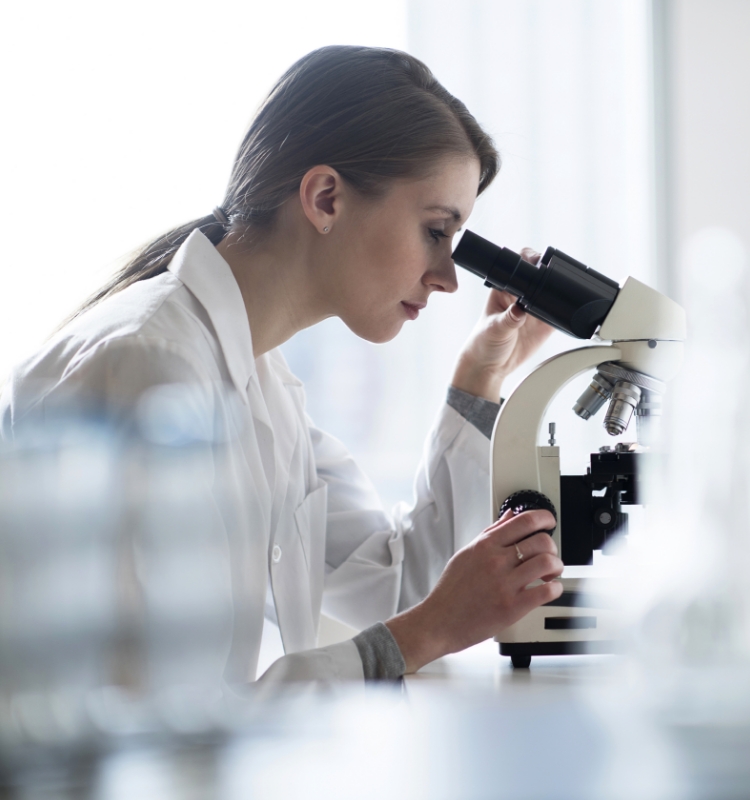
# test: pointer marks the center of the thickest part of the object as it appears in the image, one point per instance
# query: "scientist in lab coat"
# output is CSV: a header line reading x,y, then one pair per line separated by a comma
x,y
344,198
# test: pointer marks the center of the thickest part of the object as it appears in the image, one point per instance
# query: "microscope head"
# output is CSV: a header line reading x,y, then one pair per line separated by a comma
x,y
647,327
561,291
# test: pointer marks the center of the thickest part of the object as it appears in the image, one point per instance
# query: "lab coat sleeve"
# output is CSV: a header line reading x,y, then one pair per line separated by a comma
x,y
372,655
128,381
379,564
320,667
452,503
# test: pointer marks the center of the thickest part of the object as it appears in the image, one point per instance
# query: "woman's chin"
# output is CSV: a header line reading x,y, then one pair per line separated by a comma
x,y
377,334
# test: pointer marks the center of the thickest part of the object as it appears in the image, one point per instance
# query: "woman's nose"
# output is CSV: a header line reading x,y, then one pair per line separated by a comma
x,y
443,277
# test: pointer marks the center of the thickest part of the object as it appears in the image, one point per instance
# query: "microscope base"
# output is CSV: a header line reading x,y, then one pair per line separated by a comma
x,y
557,648
582,620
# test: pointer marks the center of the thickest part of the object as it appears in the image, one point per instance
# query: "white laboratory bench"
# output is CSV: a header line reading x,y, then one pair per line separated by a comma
x,y
467,727
595,731
482,668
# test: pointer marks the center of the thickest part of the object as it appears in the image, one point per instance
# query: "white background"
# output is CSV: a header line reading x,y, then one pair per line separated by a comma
x,y
122,121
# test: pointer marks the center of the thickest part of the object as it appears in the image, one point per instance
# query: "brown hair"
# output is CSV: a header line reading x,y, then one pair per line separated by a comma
x,y
372,114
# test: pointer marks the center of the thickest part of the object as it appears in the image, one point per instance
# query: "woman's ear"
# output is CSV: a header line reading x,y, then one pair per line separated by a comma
x,y
320,193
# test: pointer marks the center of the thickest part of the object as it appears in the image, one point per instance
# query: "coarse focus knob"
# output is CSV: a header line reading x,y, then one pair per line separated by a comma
x,y
528,500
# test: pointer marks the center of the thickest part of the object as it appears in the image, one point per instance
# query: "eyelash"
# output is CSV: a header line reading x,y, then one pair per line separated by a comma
x,y
437,235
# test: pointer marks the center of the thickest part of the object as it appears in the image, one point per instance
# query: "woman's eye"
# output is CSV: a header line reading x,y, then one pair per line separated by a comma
x,y
437,235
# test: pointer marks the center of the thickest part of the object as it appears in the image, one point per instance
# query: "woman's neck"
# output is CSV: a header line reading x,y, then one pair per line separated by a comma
x,y
276,279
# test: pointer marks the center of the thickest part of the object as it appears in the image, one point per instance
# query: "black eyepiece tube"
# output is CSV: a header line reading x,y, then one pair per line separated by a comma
x,y
560,291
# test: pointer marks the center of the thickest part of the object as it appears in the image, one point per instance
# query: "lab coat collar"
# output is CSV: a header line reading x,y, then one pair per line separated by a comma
x,y
282,369
208,276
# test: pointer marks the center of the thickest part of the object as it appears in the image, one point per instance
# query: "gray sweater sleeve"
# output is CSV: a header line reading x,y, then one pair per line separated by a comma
x,y
381,657
479,412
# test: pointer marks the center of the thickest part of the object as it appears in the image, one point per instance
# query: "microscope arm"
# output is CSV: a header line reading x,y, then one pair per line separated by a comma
x,y
647,331
515,465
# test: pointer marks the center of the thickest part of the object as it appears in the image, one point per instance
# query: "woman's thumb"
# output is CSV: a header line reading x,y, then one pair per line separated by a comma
x,y
515,316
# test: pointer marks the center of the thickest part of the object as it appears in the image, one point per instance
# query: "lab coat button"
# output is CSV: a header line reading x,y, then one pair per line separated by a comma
x,y
276,554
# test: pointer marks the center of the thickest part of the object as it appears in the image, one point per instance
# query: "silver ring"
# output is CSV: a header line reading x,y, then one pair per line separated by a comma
x,y
518,552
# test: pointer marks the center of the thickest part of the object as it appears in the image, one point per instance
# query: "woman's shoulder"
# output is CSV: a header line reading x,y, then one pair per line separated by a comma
x,y
144,335
129,312
157,314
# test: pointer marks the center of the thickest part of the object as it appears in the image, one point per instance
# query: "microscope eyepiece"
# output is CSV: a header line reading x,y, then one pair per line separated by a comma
x,y
497,266
560,291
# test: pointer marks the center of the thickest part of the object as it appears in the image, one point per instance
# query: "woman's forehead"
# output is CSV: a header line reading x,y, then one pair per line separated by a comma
x,y
450,190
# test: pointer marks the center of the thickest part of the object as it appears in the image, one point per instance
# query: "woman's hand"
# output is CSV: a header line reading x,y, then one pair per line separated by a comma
x,y
504,338
482,589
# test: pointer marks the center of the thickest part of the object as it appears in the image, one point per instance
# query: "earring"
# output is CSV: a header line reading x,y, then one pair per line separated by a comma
x,y
325,230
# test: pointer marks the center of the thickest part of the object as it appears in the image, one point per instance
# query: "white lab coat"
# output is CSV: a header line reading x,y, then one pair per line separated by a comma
x,y
301,510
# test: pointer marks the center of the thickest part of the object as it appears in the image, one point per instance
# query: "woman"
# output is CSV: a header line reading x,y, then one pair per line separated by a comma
x,y
348,188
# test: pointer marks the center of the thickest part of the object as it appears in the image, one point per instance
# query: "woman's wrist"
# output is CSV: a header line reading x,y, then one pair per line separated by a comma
x,y
481,381
419,645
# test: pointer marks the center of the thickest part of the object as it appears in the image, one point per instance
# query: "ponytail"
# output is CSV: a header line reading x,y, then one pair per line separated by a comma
x,y
154,258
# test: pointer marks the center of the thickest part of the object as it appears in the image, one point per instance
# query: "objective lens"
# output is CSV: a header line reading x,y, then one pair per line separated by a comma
x,y
625,397
594,397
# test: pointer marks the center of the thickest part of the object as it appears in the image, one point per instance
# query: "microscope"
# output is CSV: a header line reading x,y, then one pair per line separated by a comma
x,y
639,335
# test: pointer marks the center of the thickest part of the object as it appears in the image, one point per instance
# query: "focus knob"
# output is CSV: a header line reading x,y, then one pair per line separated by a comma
x,y
528,500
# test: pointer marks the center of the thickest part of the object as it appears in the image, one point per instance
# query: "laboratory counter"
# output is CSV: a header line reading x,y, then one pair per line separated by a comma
x,y
466,727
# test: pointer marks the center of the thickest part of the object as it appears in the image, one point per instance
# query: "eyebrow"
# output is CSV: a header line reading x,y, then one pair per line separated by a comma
x,y
451,212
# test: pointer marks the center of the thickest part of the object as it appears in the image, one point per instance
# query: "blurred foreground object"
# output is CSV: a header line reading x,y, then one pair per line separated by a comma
x,y
115,598
111,647
689,610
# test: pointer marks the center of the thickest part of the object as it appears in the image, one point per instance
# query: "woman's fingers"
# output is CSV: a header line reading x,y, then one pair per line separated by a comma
x,y
544,566
536,596
530,255
516,527
498,301
535,545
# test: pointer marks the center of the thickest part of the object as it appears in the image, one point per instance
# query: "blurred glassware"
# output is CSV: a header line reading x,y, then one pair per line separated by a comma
x,y
115,591
685,586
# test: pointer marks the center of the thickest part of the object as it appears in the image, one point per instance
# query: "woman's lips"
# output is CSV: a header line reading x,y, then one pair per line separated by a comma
x,y
412,309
